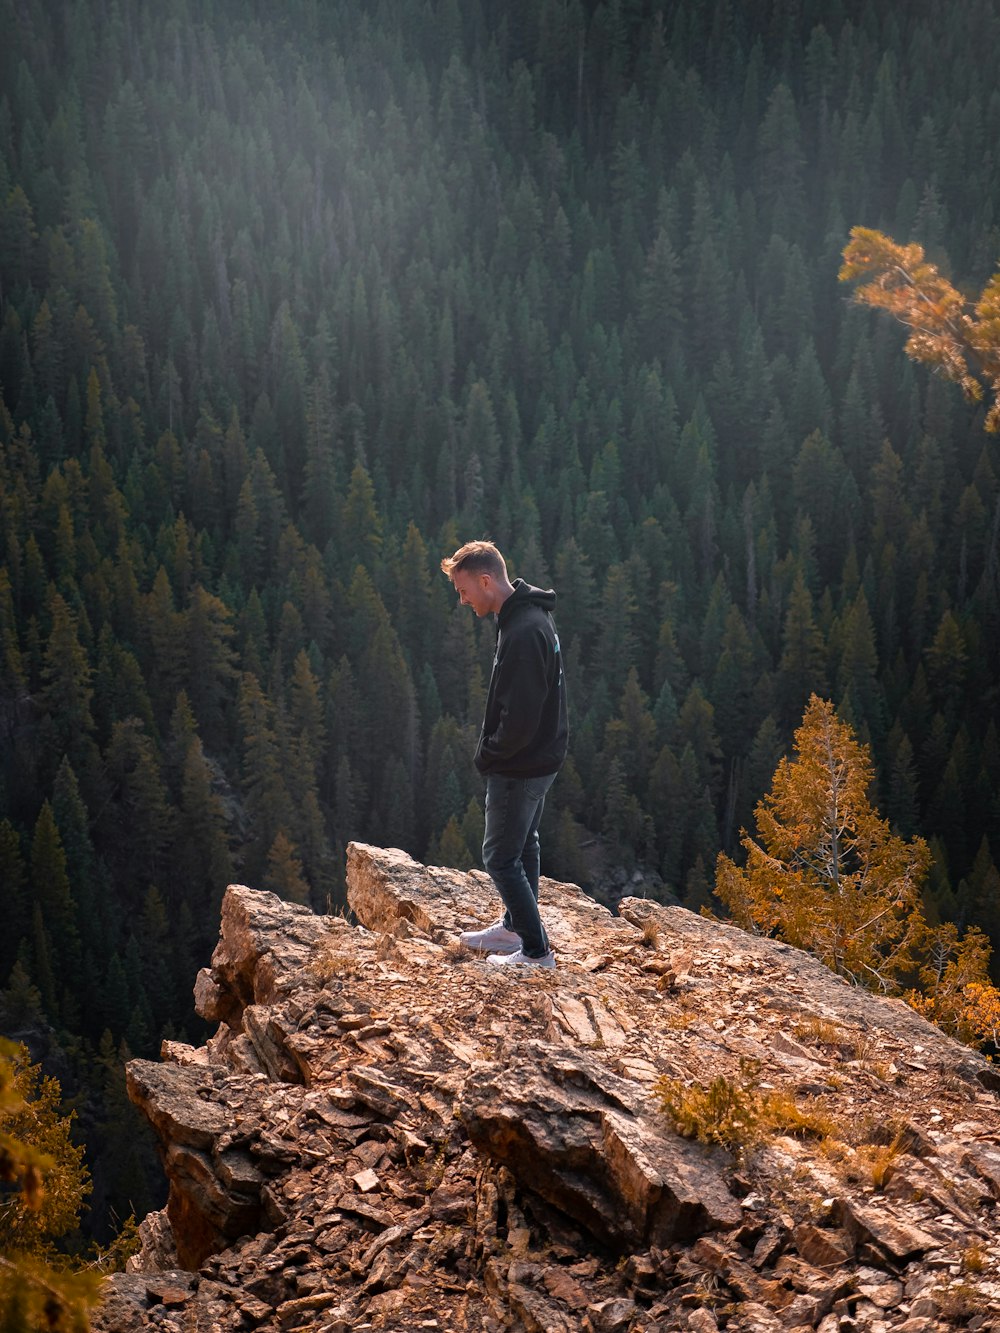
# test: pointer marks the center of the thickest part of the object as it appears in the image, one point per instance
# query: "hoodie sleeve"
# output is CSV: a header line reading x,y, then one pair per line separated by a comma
x,y
522,683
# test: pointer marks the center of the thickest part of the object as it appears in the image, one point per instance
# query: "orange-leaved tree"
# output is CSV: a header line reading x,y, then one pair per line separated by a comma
x,y
955,990
43,1183
954,335
827,874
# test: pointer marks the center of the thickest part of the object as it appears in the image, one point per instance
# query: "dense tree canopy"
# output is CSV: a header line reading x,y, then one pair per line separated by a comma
x,y
295,298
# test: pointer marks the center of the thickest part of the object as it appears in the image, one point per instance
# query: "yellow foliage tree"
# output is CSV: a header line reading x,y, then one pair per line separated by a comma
x,y
43,1183
980,1012
958,337
955,992
827,874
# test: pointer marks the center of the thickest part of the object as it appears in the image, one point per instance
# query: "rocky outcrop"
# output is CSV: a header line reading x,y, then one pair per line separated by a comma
x,y
386,1133
594,1149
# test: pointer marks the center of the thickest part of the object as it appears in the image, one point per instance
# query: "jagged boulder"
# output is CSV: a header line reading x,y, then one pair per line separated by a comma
x,y
587,1143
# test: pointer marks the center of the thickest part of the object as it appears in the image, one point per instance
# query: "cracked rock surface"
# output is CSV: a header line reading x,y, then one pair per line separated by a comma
x,y
385,1133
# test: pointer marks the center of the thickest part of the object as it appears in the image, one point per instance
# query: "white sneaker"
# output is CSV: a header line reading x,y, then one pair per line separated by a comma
x,y
496,937
521,959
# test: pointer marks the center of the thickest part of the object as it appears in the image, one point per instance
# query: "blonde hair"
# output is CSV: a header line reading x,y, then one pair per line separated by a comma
x,y
477,558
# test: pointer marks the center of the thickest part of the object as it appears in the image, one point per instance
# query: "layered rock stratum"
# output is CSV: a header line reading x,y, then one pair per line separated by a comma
x,y
386,1133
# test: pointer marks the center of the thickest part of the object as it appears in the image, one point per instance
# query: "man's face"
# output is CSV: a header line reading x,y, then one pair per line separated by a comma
x,y
475,590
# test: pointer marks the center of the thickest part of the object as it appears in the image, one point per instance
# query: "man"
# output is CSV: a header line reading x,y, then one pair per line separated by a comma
x,y
521,748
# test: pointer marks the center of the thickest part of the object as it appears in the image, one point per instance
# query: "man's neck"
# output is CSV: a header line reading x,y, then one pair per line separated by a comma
x,y
504,591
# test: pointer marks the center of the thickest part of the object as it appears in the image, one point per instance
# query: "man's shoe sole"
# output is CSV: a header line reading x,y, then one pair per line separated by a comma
x,y
547,961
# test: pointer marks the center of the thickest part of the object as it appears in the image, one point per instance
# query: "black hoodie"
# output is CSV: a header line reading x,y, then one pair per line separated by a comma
x,y
525,729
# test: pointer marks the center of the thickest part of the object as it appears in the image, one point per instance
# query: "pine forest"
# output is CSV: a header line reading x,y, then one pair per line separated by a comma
x,y
296,298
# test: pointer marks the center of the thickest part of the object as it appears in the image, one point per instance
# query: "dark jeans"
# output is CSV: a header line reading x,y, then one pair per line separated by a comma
x,y
511,856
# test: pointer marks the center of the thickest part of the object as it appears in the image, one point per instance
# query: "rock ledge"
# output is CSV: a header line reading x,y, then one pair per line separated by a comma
x,y
386,1134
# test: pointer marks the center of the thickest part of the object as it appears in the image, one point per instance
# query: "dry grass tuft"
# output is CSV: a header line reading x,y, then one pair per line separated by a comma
x,y
818,1031
737,1113
961,1300
879,1161
974,1259
333,965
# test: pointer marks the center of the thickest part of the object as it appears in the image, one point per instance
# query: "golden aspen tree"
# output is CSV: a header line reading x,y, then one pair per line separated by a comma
x,y
955,990
44,1182
955,336
827,874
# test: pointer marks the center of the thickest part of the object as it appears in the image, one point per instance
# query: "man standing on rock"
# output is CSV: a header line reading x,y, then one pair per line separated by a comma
x,y
521,747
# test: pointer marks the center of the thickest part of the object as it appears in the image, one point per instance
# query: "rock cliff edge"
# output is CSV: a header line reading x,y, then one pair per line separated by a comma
x,y
385,1133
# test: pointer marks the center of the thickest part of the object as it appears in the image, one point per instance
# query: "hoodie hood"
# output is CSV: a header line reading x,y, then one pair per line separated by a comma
x,y
525,594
